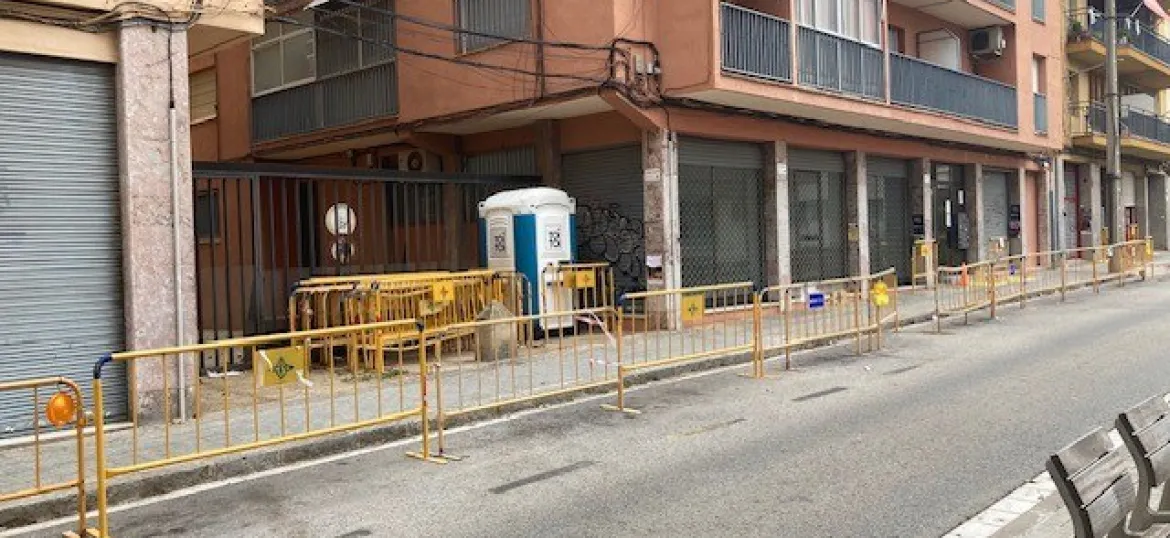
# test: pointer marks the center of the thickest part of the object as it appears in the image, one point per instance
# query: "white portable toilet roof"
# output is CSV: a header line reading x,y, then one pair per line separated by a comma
x,y
526,201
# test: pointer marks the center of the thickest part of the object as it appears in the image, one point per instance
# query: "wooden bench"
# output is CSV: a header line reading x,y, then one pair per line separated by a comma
x,y
1098,485
1145,431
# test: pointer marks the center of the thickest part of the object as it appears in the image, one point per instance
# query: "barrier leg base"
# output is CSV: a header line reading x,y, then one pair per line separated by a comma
x,y
765,376
450,457
89,533
429,459
626,410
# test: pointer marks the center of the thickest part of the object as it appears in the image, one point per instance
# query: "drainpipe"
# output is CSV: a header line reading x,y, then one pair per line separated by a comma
x,y
180,321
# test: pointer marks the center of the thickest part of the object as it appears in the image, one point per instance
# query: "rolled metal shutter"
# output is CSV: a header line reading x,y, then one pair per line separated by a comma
x,y
995,205
813,160
510,162
889,215
60,231
607,185
721,200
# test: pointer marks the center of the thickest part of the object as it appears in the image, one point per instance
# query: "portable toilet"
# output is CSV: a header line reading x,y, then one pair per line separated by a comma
x,y
526,230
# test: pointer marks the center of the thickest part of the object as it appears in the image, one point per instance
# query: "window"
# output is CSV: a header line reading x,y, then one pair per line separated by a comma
x,y
207,215
1038,10
364,36
856,19
1039,84
202,93
285,55
896,40
507,18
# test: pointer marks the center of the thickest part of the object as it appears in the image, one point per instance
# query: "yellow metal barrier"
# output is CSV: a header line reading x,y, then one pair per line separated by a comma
x,y
660,328
62,409
923,260
577,285
795,315
962,290
323,402
504,364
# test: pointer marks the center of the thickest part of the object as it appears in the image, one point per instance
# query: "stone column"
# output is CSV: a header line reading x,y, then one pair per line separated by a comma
x,y
660,214
973,185
548,152
1141,200
1096,204
1056,177
857,209
1023,190
1046,235
776,219
152,307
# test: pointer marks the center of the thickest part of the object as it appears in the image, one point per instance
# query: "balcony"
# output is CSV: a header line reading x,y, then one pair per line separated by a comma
x,y
336,101
756,44
759,46
1143,134
920,84
1143,56
838,64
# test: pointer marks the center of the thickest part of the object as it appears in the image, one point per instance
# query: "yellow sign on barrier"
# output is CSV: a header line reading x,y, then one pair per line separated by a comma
x,y
880,294
694,306
924,250
584,280
281,365
443,291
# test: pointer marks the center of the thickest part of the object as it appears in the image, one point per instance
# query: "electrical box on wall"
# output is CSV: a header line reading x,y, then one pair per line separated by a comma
x,y
988,41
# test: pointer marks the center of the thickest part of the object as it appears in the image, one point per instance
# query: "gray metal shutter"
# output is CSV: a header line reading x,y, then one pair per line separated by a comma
x,y
703,152
1158,211
886,167
721,211
608,187
60,236
889,215
821,161
995,205
509,162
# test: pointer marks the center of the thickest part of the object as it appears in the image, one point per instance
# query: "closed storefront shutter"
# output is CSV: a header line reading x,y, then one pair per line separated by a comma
x,y
60,236
607,185
816,198
721,224
995,205
510,162
889,215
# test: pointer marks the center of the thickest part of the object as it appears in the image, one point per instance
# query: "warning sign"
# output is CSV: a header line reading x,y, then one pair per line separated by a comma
x,y
443,292
924,250
282,365
584,280
694,306
880,294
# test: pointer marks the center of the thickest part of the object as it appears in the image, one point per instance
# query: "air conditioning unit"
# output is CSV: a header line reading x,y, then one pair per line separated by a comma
x,y
418,161
988,41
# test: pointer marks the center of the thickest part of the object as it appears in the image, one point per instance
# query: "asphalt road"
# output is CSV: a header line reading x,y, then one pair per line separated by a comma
x,y
908,442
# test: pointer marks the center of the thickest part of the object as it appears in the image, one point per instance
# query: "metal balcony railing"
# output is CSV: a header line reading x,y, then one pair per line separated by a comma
x,y
1143,124
1086,24
1040,112
1086,118
836,63
756,44
1090,24
332,102
1146,39
916,83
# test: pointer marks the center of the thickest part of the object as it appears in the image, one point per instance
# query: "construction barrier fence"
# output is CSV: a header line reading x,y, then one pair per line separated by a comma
x,y
986,285
284,399
923,261
55,403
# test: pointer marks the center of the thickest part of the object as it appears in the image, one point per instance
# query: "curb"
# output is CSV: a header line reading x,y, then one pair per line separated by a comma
x,y
172,478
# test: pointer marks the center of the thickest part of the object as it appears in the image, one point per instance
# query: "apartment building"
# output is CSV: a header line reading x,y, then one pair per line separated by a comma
x,y
705,141
1095,209
94,257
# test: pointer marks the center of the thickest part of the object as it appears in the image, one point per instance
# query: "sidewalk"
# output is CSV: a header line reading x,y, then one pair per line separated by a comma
x,y
538,372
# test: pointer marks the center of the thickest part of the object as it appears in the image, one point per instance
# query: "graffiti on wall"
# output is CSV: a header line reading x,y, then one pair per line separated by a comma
x,y
604,234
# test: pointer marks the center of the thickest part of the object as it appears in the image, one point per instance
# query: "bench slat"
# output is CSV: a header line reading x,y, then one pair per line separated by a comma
x,y
1160,462
1110,508
1155,436
1148,412
1099,477
1083,452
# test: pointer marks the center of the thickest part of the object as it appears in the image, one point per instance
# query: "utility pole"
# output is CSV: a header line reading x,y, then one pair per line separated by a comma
x,y
1112,111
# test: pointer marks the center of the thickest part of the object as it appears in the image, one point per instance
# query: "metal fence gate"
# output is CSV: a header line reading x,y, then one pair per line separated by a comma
x,y
721,218
262,228
817,215
889,216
